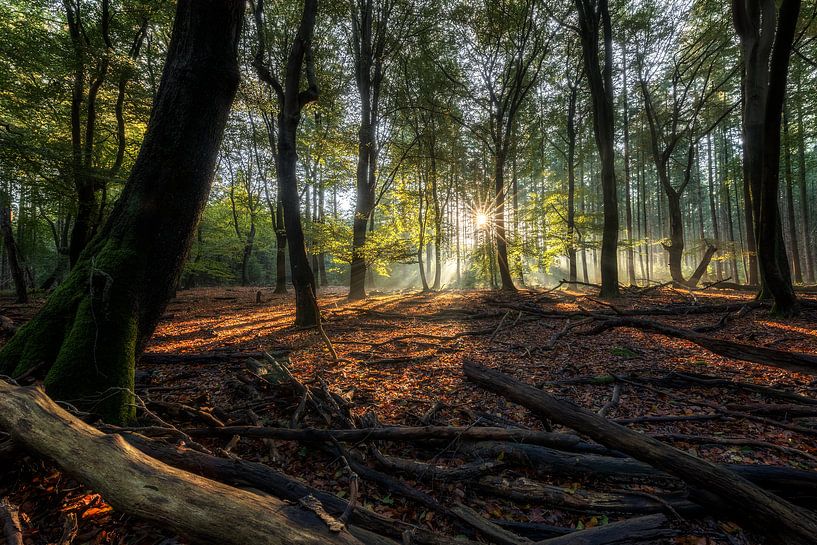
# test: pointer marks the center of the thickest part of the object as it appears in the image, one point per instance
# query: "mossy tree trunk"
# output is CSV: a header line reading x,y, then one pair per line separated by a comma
x,y
87,335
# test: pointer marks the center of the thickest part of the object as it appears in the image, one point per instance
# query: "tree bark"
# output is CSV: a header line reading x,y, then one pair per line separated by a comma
x,y
291,101
95,323
766,38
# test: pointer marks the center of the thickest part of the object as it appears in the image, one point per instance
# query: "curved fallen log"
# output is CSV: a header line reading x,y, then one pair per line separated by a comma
x,y
796,362
131,482
724,490
797,486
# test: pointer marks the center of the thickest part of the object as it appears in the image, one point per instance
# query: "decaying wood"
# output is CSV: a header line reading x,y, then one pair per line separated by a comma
x,y
131,482
726,491
10,519
636,530
798,486
791,361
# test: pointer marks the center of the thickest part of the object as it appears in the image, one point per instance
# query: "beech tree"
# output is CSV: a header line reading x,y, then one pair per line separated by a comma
x,y
766,34
594,24
291,101
88,334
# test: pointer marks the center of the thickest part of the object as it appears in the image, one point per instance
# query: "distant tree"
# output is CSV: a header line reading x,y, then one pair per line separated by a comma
x,y
291,101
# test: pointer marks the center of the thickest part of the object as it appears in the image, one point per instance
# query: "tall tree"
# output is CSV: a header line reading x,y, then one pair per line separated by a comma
x,y
595,24
90,179
92,327
766,34
291,101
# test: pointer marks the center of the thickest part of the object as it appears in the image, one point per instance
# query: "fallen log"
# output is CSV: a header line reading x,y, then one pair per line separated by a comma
x,y
647,528
133,483
526,491
563,441
796,362
264,478
796,485
724,490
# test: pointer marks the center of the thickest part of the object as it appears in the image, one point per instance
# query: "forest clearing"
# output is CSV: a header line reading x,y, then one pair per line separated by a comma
x,y
381,272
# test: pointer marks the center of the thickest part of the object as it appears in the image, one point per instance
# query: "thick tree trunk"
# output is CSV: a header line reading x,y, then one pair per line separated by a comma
x,y
675,248
303,279
772,259
93,325
291,100
204,510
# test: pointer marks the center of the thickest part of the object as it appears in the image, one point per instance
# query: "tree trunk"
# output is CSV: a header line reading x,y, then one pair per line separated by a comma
x,y
12,252
713,209
499,224
772,259
280,246
592,20
571,186
627,176
795,247
811,264
93,325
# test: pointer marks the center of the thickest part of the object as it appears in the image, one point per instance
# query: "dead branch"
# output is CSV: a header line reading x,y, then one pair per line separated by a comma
x,y
526,491
791,361
266,479
562,441
766,513
647,528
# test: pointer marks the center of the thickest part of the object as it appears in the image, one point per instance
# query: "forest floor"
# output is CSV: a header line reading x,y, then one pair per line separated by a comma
x,y
400,359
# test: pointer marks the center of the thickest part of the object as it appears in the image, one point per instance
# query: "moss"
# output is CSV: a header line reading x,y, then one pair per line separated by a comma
x,y
95,364
39,341
87,332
